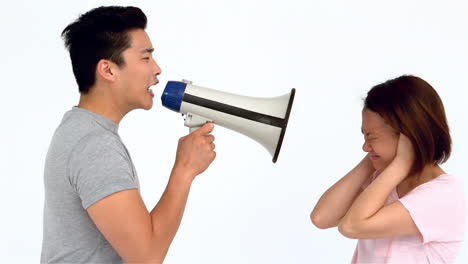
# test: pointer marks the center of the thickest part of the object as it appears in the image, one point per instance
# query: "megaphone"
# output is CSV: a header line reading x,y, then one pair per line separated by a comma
x,y
262,119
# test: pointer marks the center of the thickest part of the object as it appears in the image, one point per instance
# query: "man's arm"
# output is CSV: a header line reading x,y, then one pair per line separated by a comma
x,y
140,236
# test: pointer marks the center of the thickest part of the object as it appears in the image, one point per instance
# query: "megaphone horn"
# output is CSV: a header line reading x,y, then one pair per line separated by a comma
x,y
262,119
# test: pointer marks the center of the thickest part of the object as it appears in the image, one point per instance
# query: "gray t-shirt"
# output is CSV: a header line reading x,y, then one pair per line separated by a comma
x,y
86,162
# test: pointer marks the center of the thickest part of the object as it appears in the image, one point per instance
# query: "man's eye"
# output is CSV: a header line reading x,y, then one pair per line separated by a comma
x,y
146,58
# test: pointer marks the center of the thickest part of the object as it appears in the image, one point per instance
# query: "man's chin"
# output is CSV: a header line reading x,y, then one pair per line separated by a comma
x,y
147,107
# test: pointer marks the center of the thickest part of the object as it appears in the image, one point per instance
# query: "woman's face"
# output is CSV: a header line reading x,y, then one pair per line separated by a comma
x,y
380,139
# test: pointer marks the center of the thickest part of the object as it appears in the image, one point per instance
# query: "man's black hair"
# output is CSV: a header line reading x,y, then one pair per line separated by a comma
x,y
101,33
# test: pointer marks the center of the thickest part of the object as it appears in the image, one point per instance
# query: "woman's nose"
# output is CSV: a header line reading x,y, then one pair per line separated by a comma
x,y
366,147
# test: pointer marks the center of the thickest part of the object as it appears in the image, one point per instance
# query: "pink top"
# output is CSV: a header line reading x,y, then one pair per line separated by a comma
x,y
438,210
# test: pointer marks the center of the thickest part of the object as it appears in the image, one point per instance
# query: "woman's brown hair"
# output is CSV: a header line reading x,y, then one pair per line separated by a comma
x,y
411,106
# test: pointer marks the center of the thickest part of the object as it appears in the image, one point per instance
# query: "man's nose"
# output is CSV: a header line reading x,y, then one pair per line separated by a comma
x,y
156,68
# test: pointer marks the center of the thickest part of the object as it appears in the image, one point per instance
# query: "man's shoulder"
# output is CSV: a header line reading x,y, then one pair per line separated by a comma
x,y
80,131
81,123
74,122
97,140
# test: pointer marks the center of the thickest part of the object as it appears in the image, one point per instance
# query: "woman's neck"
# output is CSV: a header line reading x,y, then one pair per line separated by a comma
x,y
428,173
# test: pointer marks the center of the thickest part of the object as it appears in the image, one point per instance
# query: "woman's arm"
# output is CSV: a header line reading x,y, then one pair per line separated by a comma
x,y
336,201
368,218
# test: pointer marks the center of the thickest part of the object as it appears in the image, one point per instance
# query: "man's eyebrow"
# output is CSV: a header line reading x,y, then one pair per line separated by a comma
x,y
148,50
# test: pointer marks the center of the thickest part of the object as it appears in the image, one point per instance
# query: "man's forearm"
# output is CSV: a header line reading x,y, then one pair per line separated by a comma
x,y
167,214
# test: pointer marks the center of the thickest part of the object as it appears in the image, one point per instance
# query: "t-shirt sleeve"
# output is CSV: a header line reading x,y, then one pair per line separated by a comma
x,y
99,166
438,209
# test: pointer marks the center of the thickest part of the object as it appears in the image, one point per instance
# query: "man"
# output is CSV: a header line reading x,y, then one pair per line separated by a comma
x,y
93,210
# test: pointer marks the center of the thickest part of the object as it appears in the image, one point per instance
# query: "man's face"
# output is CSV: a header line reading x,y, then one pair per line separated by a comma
x,y
138,74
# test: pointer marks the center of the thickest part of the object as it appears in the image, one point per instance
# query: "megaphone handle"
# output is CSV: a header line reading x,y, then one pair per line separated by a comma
x,y
194,122
191,129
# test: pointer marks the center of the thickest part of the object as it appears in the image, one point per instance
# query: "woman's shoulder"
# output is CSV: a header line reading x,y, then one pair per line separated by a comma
x,y
445,184
447,179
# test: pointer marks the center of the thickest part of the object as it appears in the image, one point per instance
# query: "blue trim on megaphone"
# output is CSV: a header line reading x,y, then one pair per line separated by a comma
x,y
173,95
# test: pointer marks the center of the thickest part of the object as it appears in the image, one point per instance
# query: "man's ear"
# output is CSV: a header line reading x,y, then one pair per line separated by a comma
x,y
106,70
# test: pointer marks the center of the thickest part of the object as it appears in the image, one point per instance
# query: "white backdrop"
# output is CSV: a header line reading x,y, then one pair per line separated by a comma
x,y
244,208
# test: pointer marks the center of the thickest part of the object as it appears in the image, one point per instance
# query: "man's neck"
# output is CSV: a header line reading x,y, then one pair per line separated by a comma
x,y
101,105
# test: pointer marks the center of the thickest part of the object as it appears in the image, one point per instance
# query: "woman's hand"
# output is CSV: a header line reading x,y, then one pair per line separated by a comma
x,y
369,217
405,151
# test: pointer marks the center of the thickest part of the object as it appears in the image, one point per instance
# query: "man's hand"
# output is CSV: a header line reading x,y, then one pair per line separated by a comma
x,y
142,237
196,151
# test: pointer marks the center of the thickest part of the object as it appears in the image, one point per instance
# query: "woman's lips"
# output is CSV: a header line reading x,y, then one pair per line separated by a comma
x,y
374,157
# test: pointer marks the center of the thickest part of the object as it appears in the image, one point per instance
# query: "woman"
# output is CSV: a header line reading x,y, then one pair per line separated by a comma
x,y
400,204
